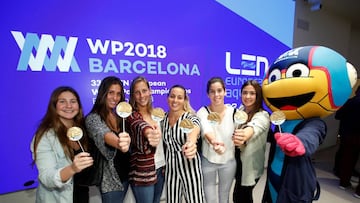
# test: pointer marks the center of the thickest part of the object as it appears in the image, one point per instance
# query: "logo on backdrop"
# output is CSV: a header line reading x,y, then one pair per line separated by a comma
x,y
50,54
250,65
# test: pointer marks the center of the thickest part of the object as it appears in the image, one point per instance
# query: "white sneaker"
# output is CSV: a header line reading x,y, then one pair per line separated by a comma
x,y
354,179
342,187
345,187
356,195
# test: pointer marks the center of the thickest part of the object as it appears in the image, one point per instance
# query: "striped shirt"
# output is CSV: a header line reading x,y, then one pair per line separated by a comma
x,y
142,164
182,176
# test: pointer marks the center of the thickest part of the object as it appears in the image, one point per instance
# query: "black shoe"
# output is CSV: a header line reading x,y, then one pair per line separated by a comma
x,y
356,173
345,186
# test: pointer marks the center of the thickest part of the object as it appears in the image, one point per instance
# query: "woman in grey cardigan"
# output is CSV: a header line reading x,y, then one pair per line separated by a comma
x,y
105,128
250,140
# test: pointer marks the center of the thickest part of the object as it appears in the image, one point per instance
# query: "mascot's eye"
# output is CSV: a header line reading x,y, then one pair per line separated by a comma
x,y
274,75
297,70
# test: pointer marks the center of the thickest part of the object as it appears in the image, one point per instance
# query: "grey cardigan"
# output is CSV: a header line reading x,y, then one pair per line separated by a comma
x,y
253,155
96,129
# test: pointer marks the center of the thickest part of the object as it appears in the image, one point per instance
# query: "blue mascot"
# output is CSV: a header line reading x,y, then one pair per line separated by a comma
x,y
306,84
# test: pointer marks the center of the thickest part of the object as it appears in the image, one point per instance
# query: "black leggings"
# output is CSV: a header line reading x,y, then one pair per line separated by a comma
x,y
243,194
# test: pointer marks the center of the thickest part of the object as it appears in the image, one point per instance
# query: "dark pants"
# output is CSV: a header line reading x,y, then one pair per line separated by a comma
x,y
243,194
350,155
115,196
338,156
81,194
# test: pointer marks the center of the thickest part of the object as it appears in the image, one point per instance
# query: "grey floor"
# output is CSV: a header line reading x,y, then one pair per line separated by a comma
x,y
330,193
323,161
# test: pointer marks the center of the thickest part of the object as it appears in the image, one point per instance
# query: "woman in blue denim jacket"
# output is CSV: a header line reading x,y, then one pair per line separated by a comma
x,y
53,153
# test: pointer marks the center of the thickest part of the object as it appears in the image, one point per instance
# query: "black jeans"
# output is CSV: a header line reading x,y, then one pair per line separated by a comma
x,y
243,194
81,194
350,155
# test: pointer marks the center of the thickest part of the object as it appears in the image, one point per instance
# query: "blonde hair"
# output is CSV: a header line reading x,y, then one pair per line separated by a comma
x,y
132,101
187,105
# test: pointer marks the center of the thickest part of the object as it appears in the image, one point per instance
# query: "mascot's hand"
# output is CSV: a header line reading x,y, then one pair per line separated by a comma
x,y
290,144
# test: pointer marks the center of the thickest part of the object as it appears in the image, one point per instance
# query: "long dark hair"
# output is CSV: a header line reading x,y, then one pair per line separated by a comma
x,y
51,120
258,106
100,102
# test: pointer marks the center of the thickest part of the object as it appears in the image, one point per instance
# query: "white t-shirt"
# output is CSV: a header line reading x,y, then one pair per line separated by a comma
x,y
223,132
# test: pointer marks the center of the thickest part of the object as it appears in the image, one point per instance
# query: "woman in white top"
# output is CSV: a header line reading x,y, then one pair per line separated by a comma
x,y
218,160
250,140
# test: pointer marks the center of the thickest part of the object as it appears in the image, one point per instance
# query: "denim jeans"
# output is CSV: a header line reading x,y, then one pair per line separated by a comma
x,y
115,196
150,193
224,173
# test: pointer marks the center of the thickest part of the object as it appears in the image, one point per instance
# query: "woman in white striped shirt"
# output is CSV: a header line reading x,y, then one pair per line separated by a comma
x,y
183,174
